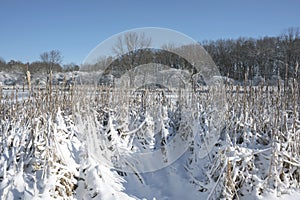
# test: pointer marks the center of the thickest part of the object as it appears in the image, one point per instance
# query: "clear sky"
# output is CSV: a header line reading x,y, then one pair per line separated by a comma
x,y
29,28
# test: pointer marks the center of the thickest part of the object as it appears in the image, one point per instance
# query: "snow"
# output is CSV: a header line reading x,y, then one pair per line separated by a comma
x,y
122,150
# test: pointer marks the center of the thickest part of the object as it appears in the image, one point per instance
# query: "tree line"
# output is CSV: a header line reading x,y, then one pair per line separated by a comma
x,y
49,61
265,57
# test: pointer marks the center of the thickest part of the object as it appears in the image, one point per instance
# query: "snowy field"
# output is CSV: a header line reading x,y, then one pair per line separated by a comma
x,y
95,143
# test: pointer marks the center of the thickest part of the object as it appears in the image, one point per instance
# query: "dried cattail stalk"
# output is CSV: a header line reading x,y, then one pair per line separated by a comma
x,y
28,80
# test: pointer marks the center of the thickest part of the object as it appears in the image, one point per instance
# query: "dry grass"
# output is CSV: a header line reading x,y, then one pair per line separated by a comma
x,y
260,145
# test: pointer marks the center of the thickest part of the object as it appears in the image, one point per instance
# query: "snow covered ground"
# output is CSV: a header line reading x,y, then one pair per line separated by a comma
x,y
71,146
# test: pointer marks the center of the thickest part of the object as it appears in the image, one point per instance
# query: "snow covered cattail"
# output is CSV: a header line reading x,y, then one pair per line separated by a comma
x,y
296,69
28,80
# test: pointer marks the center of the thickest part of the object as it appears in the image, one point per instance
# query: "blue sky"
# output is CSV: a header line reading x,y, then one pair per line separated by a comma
x,y
28,28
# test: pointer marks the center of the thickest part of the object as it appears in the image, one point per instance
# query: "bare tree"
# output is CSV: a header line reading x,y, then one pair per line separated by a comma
x,y
291,46
52,58
131,41
129,44
45,57
2,64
